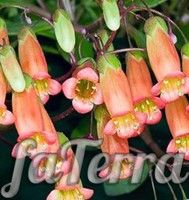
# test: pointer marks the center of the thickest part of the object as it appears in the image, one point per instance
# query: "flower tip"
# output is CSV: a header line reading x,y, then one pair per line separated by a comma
x,y
152,23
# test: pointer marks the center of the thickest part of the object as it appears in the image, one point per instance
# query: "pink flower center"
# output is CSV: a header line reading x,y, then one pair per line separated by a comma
x,y
146,106
41,85
182,143
127,122
85,89
173,84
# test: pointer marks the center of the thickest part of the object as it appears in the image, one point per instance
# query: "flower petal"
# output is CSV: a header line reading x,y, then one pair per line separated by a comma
x,y
98,98
110,128
68,87
55,195
171,147
87,193
54,87
87,74
7,119
82,106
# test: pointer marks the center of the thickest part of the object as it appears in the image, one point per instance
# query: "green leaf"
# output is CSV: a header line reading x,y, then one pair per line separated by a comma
x,y
82,129
137,35
150,3
38,26
125,186
15,3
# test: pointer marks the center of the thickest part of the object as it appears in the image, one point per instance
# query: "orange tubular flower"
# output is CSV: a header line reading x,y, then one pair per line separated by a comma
x,y
33,63
70,192
112,144
141,85
33,122
164,61
117,97
178,121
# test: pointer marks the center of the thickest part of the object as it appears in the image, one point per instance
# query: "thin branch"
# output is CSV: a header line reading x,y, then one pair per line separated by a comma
x,y
42,4
147,138
126,50
110,40
63,115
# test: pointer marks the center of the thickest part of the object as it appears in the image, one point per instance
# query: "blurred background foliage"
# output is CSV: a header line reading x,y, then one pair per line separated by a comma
x,y
86,12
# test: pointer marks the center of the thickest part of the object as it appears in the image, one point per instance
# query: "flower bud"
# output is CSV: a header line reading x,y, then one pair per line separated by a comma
x,y
111,14
64,30
11,69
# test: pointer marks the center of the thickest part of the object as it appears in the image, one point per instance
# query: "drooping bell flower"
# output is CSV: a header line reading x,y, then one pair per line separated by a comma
x,y
165,62
178,121
141,84
6,117
3,33
33,122
34,64
11,68
71,192
112,145
118,100
83,87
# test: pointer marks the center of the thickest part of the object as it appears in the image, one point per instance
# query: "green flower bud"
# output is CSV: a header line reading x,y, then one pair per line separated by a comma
x,y
12,69
64,30
111,14
153,23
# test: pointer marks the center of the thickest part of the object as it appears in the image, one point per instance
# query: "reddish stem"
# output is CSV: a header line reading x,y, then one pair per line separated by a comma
x,y
63,115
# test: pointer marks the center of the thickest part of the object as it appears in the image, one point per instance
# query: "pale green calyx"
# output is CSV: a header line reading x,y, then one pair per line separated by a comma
x,y
25,32
111,14
138,55
12,69
185,50
107,61
2,24
83,61
64,30
153,23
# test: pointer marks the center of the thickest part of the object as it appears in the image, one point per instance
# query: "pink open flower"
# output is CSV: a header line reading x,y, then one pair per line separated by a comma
x,y
141,84
165,62
178,121
84,89
34,64
71,192
117,97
